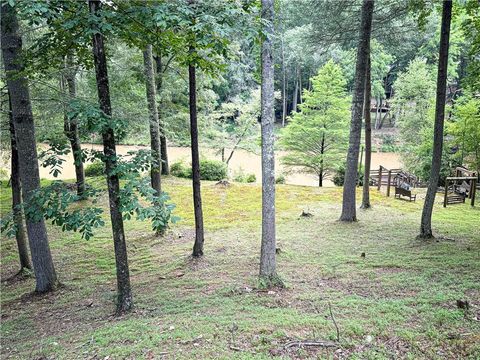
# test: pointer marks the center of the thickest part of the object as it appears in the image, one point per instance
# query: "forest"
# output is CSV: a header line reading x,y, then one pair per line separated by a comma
x,y
240,179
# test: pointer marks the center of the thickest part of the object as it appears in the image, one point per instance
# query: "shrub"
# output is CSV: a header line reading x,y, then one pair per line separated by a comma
x,y
180,170
240,176
339,177
97,168
209,170
213,170
280,179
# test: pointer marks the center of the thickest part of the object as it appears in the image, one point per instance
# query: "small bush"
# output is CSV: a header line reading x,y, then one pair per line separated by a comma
x,y
339,177
213,170
209,170
97,168
241,177
280,179
179,169
251,178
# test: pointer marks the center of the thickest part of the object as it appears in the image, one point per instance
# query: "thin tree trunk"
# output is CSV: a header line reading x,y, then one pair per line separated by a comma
x,y
124,296
295,95
11,43
426,221
348,205
71,128
378,104
17,200
322,151
156,166
284,87
161,124
267,256
197,197
299,85
368,137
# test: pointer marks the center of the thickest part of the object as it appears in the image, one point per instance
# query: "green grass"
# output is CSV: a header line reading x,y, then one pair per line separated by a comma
x,y
401,296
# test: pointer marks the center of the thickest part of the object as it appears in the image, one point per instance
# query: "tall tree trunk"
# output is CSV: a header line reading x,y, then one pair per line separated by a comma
x,y
71,128
378,105
322,151
351,171
17,200
300,85
284,85
11,43
156,166
267,256
426,221
368,137
197,197
124,296
161,124
295,95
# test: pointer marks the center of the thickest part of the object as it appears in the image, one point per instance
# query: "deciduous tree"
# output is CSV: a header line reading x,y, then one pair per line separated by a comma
x,y
45,275
426,220
351,171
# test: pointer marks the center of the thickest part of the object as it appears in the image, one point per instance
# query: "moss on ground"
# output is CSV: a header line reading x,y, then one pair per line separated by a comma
x,y
399,301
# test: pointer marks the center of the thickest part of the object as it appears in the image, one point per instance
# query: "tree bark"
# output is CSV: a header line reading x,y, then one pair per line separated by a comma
x,y
46,278
161,124
71,128
322,150
426,221
197,197
300,87
351,171
295,95
284,85
156,165
124,296
268,249
368,137
17,200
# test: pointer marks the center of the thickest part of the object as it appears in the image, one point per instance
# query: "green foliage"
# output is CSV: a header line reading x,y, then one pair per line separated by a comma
x,y
316,137
97,168
54,156
4,174
339,177
212,170
414,105
54,202
389,143
241,177
235,124
159,211
180,170
280,179
465,129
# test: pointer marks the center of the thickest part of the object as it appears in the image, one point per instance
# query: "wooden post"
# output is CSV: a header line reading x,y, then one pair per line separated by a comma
x,y
474,187
389,181
446,192
360,168
379,178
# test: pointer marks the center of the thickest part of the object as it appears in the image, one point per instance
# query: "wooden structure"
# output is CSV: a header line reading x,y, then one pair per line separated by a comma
x,y
400,191
394,177
460,187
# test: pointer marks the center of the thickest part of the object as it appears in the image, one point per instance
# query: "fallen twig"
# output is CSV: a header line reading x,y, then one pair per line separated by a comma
x,y
334,322
319,343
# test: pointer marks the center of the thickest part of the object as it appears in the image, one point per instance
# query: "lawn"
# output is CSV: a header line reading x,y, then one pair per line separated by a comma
x,y
399,300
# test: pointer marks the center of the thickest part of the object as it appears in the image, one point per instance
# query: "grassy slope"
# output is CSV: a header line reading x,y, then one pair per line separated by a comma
x,y
399,301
